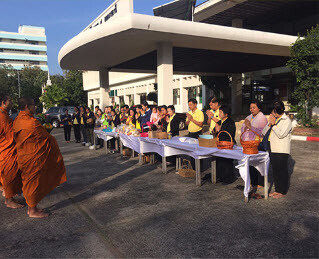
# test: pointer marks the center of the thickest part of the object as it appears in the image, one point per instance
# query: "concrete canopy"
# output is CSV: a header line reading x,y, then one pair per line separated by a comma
x,y
118,43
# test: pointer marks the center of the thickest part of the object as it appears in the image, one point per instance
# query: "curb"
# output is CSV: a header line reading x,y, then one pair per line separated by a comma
x,y
304,138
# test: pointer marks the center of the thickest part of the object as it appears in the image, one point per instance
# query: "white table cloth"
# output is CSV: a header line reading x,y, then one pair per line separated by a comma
x,y
105,135
131,142
175,147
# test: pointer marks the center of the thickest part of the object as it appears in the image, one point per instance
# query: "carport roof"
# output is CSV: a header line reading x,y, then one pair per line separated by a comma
x,y
199,61
130,42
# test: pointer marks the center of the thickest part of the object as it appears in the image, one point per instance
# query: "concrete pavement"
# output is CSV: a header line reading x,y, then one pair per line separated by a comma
x,y
112,207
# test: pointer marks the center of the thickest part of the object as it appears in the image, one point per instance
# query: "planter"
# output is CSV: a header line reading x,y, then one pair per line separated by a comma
x,y
305,131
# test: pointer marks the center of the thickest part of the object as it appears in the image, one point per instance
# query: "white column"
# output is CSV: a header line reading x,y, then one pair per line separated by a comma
x,y
125,97
183,96
197,94
117,100
165,73
137,97
104,88
236,86
126,100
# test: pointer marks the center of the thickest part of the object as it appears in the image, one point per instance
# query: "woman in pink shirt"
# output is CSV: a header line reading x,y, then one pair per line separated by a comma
x,y
155,116
256,122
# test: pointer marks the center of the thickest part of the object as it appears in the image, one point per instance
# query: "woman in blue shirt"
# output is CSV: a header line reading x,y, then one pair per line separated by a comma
x,y
66,120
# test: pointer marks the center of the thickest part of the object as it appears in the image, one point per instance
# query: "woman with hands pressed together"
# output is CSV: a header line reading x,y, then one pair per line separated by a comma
x,y
278,133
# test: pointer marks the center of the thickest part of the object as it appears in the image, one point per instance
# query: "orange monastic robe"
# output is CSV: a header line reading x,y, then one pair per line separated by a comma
x,y
39,158
10,175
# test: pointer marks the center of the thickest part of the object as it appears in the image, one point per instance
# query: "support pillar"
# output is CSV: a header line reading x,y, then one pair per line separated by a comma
x,y
183,97
165,73
117,99
104,87
127,100
137,99
237,86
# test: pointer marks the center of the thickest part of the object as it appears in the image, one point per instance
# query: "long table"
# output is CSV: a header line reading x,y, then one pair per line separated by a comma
x,y
187,146
106,136
190,147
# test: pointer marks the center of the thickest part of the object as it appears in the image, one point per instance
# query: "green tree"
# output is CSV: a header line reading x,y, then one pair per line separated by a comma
x,y
54,95
304,63
31,81
57,79
66,90
73,86
8,81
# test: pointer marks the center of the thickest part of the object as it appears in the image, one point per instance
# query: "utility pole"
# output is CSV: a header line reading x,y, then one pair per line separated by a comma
x,y
19,84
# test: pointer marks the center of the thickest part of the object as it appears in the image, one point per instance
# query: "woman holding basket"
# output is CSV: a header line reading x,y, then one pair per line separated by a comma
x,y
224,166
253,126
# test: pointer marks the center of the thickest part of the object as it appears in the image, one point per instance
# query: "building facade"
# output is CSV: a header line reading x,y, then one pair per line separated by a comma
x,y
133,54
133,89
280,17
27,47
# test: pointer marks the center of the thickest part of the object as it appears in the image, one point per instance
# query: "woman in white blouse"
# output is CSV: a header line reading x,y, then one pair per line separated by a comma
x,y
278,130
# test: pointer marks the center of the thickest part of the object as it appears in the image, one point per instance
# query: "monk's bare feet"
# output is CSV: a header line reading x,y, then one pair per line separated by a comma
x,y
278,196
38,209
3,193
37,213
11,203
273,194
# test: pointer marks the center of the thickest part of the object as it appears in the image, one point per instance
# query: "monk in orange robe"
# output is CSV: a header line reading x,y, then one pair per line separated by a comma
x,y
39,158
10,174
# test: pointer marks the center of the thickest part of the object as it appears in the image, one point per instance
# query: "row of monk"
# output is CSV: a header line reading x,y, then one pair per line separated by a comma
x,y
30,158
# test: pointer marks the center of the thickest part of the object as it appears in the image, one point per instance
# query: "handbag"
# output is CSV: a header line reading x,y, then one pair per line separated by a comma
x,y
264,145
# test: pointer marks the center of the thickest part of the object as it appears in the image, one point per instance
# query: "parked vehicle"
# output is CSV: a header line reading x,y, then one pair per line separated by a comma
x,y
53,115
14,115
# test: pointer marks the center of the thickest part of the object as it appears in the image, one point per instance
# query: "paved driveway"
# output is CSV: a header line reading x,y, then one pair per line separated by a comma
x,y
112,207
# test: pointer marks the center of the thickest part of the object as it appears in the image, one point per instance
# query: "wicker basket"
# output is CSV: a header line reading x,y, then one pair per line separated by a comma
x,y
250,147
225,144
146,159
207,142
158,134
153,134
162,135
127,152
186,170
